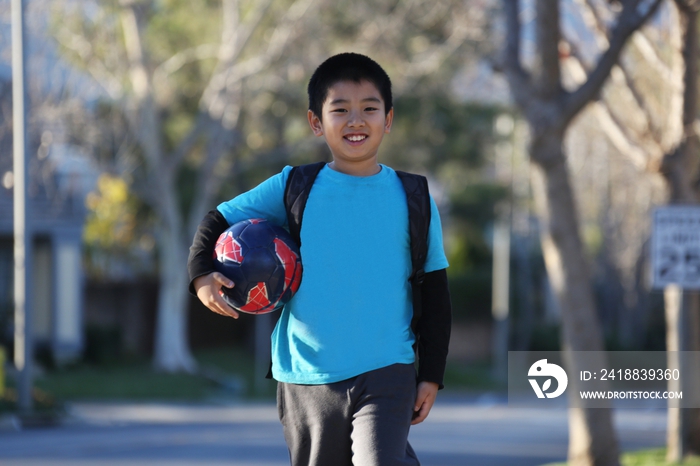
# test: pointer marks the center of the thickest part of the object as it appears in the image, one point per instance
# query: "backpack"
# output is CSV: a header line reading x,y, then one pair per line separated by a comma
x,y
296,193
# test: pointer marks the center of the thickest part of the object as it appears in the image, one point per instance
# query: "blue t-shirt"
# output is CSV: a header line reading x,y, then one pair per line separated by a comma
x,y
352,312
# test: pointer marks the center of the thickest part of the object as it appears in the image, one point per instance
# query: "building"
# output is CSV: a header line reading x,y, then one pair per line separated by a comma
x,y
59,182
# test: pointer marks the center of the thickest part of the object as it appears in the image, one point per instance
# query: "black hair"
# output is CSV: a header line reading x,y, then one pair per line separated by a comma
x,y
347,67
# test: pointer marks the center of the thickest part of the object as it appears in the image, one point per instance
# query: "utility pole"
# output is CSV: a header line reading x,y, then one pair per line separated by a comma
x,y
500,301
22,232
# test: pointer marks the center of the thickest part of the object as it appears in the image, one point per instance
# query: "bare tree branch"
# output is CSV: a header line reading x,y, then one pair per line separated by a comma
x,y
236,34
187,143
220,102
640,41
619,76
616,133
146,128
214,97
651,55
94,66
182,58
680,165
688,6
283,31
210,176
643,146
547,74
145,121
646,128
690,58
377,29
518,78
629,20
432,58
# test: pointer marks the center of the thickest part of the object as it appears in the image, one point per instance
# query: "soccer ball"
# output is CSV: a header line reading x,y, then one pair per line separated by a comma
x,y
264,263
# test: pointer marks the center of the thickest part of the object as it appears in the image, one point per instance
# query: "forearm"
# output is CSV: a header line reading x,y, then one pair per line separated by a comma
x,y
200,261
434,328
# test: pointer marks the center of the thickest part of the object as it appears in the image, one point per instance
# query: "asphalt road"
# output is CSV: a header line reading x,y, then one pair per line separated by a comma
x,y
459,432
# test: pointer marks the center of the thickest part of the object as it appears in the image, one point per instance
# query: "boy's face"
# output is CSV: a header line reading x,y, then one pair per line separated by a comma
x,y
353,123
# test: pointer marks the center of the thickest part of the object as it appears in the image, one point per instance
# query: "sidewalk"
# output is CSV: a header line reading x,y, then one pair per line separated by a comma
x,y
459,431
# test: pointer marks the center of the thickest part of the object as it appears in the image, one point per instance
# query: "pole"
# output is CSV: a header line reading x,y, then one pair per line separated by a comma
x,y
675,318
501,295
22,237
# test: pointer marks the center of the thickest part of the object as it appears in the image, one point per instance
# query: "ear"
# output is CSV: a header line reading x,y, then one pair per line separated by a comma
x,y
388,121
315,123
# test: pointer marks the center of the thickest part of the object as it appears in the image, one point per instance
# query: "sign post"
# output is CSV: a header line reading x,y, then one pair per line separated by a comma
x,y
675,263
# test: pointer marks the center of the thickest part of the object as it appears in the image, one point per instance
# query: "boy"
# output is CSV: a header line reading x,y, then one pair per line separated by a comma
x,y
342,350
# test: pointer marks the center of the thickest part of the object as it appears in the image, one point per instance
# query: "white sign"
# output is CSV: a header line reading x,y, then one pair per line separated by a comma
x,y
675,247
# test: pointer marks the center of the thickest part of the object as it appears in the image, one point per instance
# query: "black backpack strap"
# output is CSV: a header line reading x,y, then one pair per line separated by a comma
x,y
418,200
296,192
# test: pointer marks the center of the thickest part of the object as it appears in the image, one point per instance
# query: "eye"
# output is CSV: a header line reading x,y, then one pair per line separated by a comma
x,y
338,110
371,109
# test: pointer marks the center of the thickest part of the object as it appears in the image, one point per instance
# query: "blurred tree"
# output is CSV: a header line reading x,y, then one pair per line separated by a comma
x,y
117,235
206,96
175,71
452,142
614,149
549,110
648,113
680,167
113,220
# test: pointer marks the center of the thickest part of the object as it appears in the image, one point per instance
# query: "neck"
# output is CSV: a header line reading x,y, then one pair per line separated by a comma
x,y
367,169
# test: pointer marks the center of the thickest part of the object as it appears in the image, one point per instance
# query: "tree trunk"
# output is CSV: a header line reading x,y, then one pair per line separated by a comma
x,y
172,352
592,439
680,169
549,109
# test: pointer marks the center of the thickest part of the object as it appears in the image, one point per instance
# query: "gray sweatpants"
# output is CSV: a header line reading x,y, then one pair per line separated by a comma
x,y
362,421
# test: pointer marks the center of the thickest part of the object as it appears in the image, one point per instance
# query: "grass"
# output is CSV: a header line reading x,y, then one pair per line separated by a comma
x,y
121,380
653,457
224,373
477,376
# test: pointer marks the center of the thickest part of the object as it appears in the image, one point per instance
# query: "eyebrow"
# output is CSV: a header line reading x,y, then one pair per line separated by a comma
x,y
345,101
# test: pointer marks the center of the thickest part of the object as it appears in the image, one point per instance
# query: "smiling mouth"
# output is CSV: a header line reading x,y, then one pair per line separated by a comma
x,y
356,137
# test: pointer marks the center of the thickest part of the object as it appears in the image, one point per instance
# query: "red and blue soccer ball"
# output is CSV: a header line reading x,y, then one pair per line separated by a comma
x,y
264,263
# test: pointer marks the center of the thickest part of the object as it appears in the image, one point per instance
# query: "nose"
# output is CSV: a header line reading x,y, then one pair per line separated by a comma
x,y
355,119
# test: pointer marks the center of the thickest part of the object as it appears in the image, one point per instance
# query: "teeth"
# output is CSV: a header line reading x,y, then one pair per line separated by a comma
x,y
356,138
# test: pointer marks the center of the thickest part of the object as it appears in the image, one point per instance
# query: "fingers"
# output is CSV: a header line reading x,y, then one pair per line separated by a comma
x,y
216,304
219,302
425,398
222,306
420,415
214,301
209,293
222,280
421,409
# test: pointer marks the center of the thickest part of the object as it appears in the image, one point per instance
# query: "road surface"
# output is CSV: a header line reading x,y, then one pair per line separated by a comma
x,y
459,432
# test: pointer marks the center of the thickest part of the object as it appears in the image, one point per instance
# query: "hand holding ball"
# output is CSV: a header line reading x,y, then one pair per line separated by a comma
x,y
264,263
